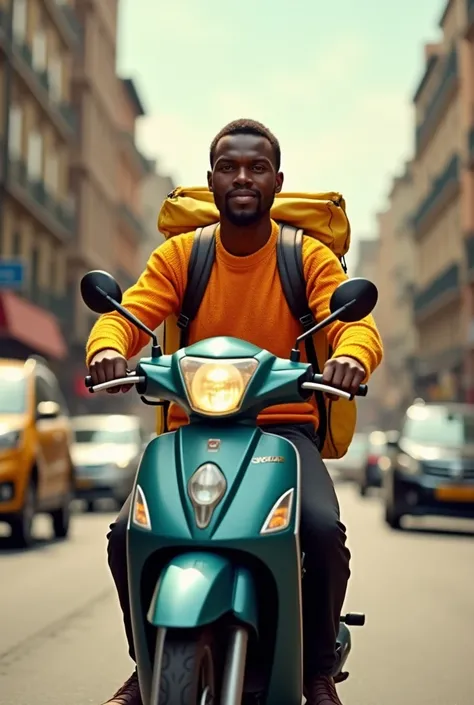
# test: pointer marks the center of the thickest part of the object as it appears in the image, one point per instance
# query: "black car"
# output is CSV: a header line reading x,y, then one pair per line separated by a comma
x,y
431,468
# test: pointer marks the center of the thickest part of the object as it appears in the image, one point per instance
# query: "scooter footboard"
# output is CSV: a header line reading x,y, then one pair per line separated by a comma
x,y
198,588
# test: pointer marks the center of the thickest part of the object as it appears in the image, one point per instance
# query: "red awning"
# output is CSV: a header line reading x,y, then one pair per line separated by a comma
x,y
31,325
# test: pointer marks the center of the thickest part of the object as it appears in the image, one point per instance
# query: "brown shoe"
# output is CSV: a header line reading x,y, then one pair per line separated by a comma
x,y
322,691
128,694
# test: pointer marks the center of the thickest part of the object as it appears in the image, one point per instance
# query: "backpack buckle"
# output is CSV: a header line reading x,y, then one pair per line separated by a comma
x,y
307,321
183,321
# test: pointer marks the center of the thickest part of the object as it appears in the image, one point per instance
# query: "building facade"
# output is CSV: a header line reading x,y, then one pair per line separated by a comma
x,y
107,171
368,408
39,129
395,277
443,210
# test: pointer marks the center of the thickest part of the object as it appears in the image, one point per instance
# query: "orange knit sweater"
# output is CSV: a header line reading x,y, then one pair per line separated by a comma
x,y
244,299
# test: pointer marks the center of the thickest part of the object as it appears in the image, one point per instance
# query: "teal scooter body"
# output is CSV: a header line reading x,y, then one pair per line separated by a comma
x,y
214,559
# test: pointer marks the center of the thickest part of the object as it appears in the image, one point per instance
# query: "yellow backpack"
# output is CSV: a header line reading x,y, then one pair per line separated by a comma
x,y
319,215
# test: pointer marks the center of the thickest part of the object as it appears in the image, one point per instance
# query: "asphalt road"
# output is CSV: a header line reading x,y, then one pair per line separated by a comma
x,y
61,639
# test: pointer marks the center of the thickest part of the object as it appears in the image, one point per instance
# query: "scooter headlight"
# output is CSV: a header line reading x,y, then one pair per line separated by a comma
x,y
216,387
206,488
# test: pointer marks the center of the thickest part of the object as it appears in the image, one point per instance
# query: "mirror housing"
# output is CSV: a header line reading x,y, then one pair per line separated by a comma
x,y
353,300
47,410
102,294
97,288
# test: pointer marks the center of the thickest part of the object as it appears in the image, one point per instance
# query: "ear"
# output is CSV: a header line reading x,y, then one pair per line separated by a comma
x,y
209,180
279,182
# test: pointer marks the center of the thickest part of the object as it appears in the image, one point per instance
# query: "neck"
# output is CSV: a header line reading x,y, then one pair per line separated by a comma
x,y
241,240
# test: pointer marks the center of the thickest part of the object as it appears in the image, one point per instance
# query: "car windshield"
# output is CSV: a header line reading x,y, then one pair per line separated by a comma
x,y
12,392
439,426
105,435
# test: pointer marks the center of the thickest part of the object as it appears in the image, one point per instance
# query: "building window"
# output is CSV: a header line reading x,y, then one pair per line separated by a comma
x,y
16,244
15,132
52,173
35,156
56,79
34,271
20,19
39,50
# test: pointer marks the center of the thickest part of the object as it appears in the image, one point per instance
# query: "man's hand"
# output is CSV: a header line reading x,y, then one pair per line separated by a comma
x,y
344,373
106,366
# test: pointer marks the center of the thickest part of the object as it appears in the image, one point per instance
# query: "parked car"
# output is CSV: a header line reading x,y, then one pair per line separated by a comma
x,y
377,460
349,467
106,451
432,464
36,470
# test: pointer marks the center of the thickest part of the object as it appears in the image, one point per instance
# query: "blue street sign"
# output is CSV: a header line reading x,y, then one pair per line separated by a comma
x,y
12,273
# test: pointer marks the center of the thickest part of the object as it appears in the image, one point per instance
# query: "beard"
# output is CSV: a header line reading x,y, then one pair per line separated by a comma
x,y
243,217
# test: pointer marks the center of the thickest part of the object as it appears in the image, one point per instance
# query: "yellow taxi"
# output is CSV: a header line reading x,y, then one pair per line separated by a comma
x,y
36,470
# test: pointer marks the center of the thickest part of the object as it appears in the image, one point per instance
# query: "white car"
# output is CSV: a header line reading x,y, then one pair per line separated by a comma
x,y
106,451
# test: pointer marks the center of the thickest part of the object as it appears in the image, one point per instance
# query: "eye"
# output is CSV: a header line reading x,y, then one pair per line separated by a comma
x,y
259,168
226,167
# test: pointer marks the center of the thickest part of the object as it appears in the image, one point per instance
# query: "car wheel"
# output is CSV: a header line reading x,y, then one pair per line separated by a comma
x,y
61,518
392,517
22,525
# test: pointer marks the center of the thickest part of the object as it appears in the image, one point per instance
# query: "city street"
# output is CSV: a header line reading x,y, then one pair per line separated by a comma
x,y
61,638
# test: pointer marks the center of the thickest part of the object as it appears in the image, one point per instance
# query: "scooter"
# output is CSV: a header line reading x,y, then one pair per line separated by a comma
x,y
214,560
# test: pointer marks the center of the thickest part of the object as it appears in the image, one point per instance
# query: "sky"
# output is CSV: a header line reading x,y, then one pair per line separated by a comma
x,y
334,85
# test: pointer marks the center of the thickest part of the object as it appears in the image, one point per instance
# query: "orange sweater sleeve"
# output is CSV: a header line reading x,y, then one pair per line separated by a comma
x,y
323,273
156,295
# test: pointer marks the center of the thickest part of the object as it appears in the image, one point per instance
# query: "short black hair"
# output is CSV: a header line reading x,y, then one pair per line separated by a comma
x,y
245,126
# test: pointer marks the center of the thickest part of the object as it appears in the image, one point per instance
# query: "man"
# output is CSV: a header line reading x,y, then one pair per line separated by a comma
x,y
244,299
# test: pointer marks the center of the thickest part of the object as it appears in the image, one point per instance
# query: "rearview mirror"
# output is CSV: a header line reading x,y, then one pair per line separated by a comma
x,y
95,286
392,438
47,410
359,295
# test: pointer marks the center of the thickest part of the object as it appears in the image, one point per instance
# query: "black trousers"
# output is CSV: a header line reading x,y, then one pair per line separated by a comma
x,y
323,541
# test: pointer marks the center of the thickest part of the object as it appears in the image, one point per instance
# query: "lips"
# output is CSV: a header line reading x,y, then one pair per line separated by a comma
x,y
243,196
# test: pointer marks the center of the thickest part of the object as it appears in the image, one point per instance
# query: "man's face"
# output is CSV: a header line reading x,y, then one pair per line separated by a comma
x,y
244,179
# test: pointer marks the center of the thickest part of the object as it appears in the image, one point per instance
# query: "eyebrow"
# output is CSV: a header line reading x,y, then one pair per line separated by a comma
x,y
233,156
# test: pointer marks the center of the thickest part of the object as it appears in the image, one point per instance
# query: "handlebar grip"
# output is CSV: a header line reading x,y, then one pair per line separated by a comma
x,y
361,392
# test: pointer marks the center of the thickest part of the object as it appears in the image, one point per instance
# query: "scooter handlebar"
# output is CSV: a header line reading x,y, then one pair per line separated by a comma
x,y
361,392
131,378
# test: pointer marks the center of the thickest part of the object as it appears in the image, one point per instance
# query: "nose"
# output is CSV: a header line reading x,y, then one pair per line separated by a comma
x,y
243,177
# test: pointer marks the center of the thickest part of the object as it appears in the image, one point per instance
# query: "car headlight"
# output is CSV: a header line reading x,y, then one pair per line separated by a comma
x,y
206,488
408,465
9,439
216,387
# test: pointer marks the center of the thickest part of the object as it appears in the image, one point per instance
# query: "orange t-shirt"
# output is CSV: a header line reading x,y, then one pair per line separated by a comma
x,y
244,299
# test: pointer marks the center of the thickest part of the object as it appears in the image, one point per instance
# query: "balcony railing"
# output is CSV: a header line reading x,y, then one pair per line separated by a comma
x,y
133,221
469,251
470,15
435,108
441,189
62,110
36,190
448,282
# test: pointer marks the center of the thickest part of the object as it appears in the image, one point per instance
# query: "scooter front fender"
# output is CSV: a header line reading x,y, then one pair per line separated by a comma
x,y
197,588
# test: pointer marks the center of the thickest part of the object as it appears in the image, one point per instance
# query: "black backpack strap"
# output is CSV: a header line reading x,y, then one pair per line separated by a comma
x,y
199,270
290,267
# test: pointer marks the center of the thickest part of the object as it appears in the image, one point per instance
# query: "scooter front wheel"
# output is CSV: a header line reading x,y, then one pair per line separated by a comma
x,y
190,673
